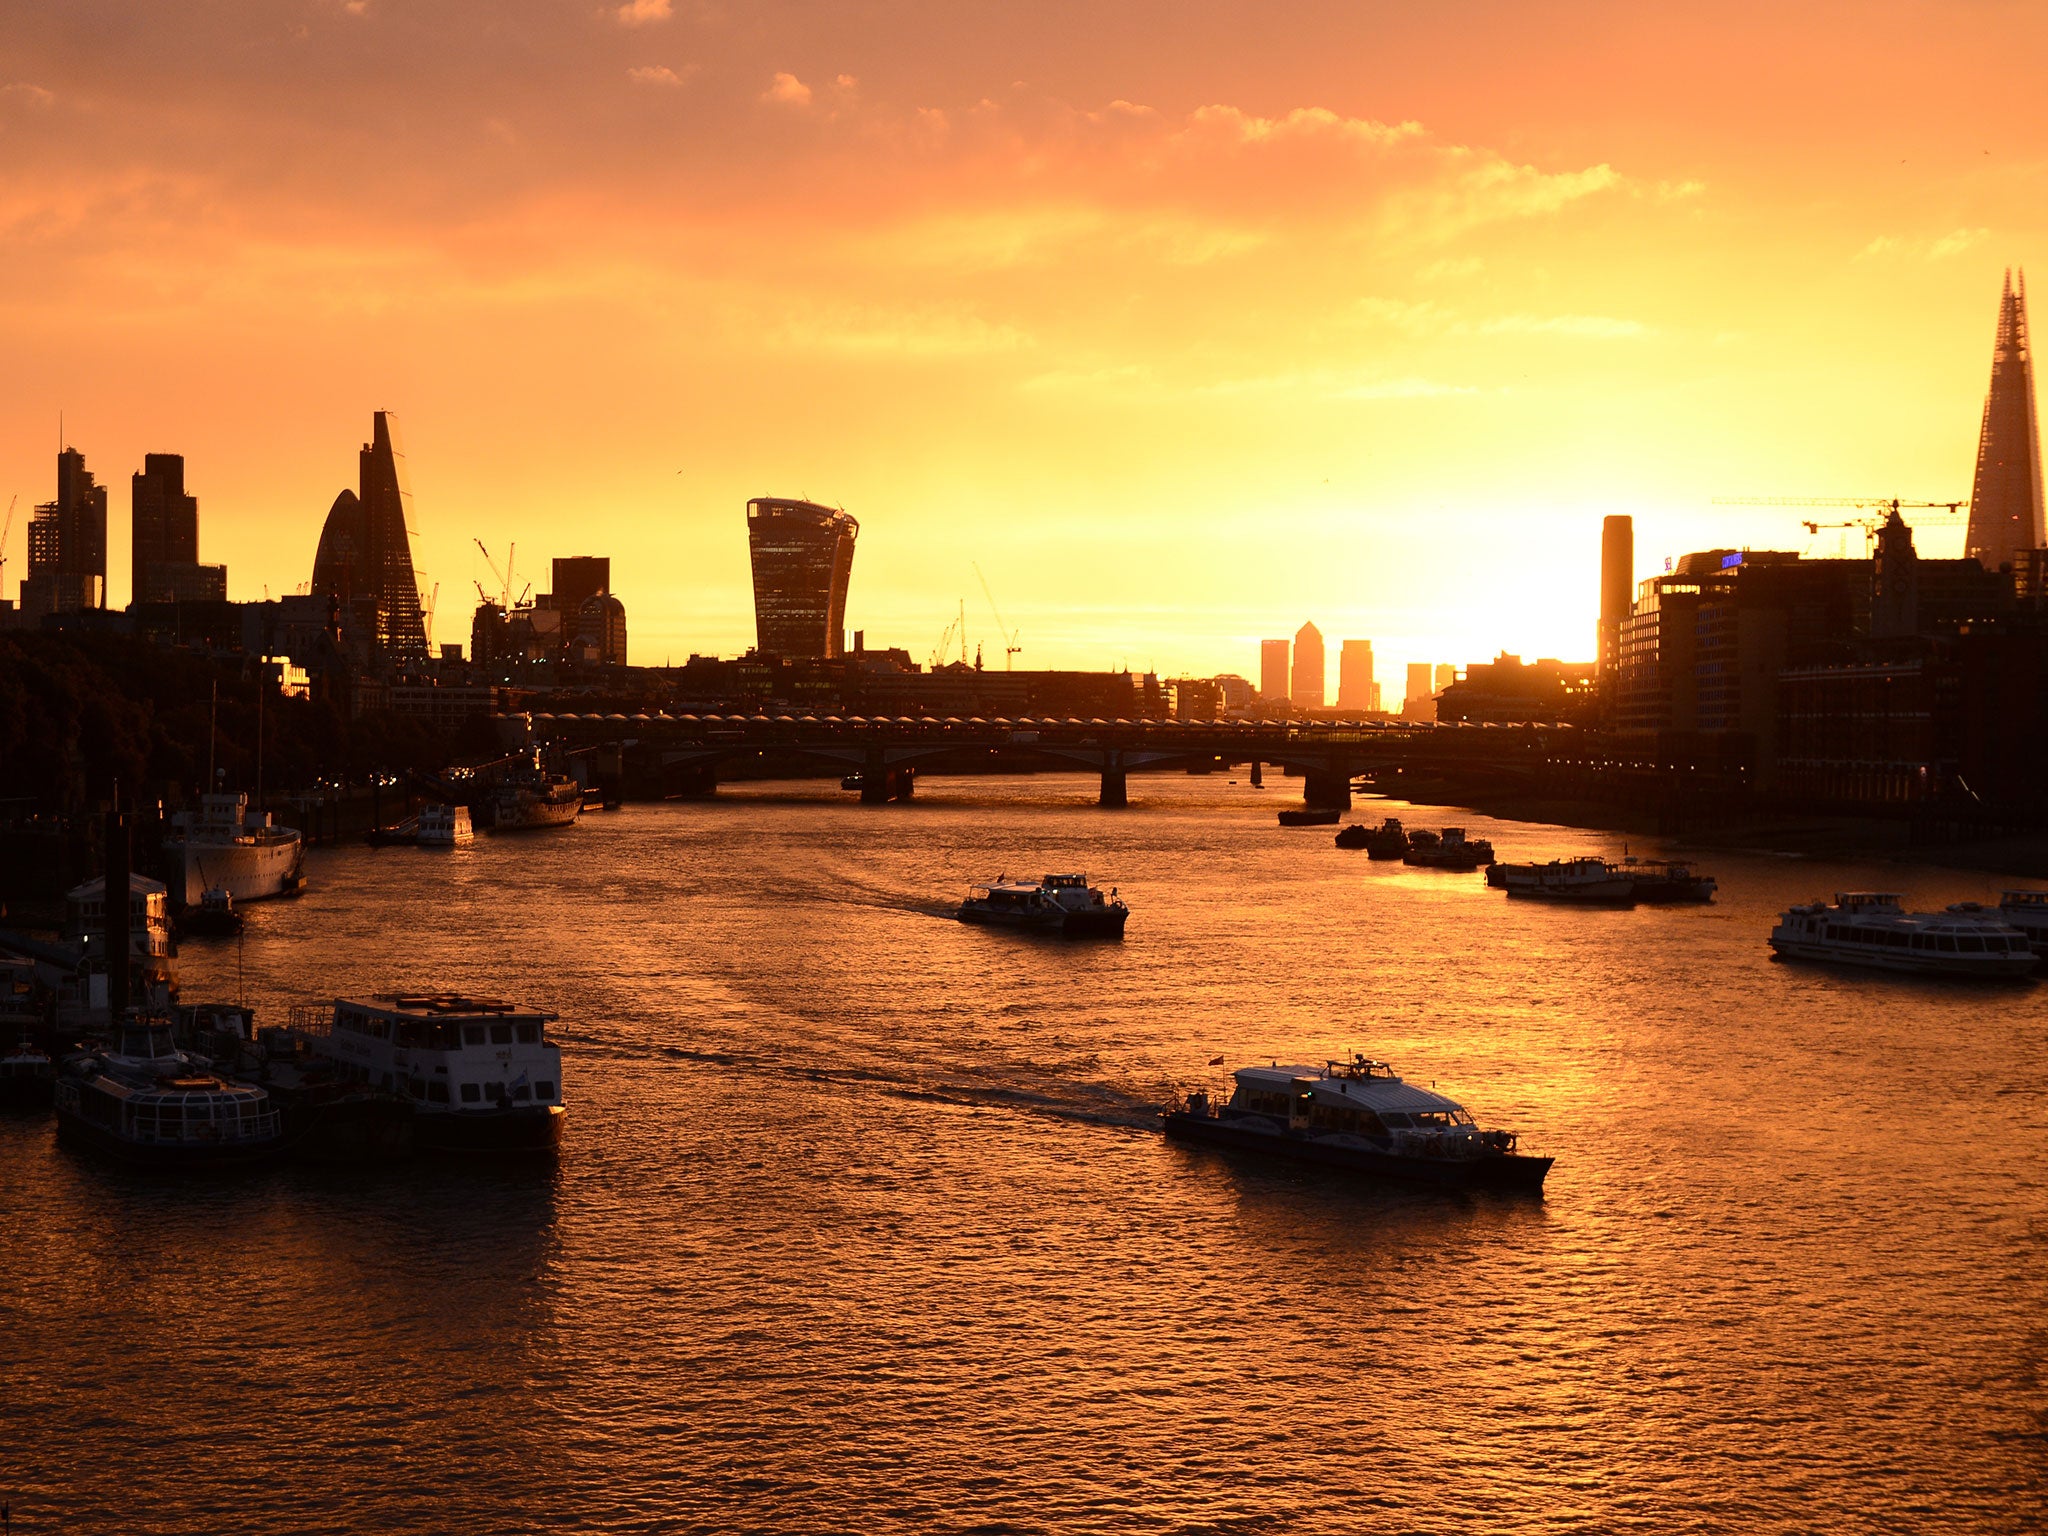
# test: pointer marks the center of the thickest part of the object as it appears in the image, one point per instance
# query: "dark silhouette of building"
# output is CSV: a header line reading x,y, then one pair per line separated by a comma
x,y
1273,671
803,560
601,628
2005,500
67,545
1310,668
578,578
1509,691
165,538
1356,688
365,553
1617,584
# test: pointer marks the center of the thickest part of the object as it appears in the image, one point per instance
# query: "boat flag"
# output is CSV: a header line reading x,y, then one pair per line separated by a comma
x,y
1215,1061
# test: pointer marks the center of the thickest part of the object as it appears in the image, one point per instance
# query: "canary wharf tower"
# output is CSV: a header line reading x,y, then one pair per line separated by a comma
x,y
803,560
2005,502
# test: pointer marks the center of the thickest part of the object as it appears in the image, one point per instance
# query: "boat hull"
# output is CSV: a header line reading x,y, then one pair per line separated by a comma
x,y
252,871
532,814
171,1157
1507,1171
1873,957
1090,923
520,1129
1601,893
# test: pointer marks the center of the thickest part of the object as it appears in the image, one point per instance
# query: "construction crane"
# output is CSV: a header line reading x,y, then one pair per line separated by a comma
x,y
956,625
433,602
504,576
1880,510
1010,645
6,529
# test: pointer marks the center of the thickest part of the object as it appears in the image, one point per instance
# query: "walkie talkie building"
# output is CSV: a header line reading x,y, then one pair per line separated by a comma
x,y
803,559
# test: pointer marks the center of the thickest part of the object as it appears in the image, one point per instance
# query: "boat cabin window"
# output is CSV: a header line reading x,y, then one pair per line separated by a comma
x,y
1399,1122
521,1092
501,1034
1264,1101
529,1034
472,1094
544,1091
1969,944
472,1034
437,1093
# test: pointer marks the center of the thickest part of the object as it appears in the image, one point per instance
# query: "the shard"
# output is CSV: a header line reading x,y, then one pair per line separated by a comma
x,y
2005,502
365,554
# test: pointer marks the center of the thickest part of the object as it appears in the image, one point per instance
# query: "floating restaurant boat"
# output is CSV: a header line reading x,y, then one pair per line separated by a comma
x,y
444,826
1357,1115
1582,881
1873,930
481,1074
1062,904
1309,816
1450,850
530,797
148,1103
229,846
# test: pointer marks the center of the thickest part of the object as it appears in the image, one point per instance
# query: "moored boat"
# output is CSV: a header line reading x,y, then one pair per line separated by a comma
x,y
1873,930
1450,849
214,917
227,845
1356,835
1063,904
1582,881
530,797
2028,912
444,826
144,1101
1666,882
1359,1116
1388,840
1310,816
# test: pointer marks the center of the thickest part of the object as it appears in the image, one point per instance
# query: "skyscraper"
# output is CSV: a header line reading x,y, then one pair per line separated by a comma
x,y
1354,675
2005,501
578,578
1617,579
67,544
1273,670
1446,674
165,537
365,554
1310,670
1420,701
803,561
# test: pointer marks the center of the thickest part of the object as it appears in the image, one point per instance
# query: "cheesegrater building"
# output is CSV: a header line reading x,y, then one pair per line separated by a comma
x,y
2005,500
803,560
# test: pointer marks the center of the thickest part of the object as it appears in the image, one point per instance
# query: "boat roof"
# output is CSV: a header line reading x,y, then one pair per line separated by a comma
x,y
439,1005
1890,915
137,884
1374,1092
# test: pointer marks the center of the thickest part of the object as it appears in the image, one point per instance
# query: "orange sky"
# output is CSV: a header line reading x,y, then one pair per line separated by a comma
x,y
1186,321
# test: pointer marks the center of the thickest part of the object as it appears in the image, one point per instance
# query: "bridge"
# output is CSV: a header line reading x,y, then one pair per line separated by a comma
x,y
887,753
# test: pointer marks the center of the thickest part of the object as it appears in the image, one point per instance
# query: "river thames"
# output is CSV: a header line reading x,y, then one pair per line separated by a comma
x,y
862,1221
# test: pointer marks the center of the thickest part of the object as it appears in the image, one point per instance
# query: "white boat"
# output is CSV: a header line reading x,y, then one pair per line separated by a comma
x,y
529,797
444,826
482,1075
226,846
1586,881
1872,929
2028,912
146,1102
1359,1116
1062,904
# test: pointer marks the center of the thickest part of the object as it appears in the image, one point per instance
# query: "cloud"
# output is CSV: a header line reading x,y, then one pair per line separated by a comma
x,y
788,90
1955,242
1940,248
656,74
21,93
642,13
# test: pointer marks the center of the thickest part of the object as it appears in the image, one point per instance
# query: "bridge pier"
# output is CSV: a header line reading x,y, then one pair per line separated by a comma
x,y
880,783
1258,774
1115,788
1326,791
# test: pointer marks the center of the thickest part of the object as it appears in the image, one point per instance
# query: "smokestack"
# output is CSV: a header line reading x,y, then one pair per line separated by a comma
x,y
1617,581
116,908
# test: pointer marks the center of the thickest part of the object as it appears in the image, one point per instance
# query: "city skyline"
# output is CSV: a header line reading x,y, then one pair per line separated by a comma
x,y
576,288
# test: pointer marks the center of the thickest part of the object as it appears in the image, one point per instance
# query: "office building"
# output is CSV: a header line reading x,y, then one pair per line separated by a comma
x,y
1420,701
1354,676
1617,583
67,545
1309,668
578,578
600,628
1273,670
164,538
1446,674
803,561
365,553
2005,499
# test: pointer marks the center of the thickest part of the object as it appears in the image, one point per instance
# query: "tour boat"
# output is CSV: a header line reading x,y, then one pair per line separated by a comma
x,y
1584,881
1062,904
1359,1116
226,845
2028,912
1872,929
1450,850
1309,816
1387,841
1665,882
531,797
482,1074
444,826
146,1102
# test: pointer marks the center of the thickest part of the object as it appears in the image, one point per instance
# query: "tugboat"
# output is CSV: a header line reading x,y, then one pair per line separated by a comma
x,y
1309,816
146,1102
481,1074
1064,904
1453,850
1357,835
1583,881
1359,1116
1873,930
214,917
1387,841
444,826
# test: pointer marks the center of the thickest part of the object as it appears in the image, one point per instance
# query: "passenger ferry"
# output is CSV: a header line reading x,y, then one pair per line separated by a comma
x,y
1359,1116
482,1074
1062,904
148,1103
444,826
1585,881
228,846
1872,929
